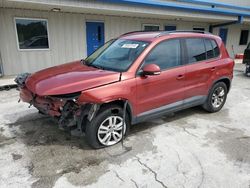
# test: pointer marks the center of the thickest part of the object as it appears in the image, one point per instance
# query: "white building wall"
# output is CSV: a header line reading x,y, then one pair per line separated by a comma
x,y
67,36
233,38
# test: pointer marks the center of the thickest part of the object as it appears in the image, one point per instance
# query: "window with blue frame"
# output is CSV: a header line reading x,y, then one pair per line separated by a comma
x,y
170,28
151,27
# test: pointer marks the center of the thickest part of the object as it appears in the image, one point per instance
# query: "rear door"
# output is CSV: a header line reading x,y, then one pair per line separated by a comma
x,y
247,55
200,67
161,90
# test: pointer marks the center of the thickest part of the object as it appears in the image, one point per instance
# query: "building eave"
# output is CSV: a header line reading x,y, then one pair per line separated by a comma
x,y
125,8
177,6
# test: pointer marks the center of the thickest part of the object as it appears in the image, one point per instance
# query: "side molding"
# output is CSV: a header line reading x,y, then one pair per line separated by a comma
x,y
170,108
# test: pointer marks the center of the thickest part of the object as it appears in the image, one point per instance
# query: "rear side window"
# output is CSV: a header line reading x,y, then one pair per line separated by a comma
x,y
199,49
196,50
166,55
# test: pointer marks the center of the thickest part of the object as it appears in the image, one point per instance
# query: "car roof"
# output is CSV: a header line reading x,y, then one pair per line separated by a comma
x,y
153,35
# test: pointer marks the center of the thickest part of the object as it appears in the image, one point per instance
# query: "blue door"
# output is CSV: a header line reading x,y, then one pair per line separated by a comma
x,y
170,28
95,36
223,34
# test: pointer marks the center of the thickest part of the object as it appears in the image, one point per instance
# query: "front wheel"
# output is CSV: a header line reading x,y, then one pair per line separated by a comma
x,y
105,129
216,98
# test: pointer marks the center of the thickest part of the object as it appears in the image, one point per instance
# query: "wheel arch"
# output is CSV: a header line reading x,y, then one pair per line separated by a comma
x,y
120,102
225,80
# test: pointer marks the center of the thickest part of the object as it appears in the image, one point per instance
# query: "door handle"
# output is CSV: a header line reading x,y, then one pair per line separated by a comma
x,y
179,77
213,69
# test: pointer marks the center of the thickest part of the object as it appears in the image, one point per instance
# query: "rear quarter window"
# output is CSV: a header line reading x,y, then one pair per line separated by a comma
x,y
215,48
209,48
212,48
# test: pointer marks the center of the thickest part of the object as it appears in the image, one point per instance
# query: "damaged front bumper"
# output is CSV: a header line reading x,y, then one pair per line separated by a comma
x,y
63,107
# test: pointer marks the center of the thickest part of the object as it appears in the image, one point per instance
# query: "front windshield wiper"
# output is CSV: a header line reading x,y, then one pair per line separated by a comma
x,y
95,66
91,64
84,62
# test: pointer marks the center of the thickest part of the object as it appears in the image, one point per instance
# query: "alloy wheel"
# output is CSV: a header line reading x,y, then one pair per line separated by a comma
x,y
218,97
110,130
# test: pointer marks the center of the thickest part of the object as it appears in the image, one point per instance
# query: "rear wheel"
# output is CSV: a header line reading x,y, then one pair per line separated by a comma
x,y
216,98
105,129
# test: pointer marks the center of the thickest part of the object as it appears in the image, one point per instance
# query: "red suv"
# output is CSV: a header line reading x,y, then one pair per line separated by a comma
x,y
136,77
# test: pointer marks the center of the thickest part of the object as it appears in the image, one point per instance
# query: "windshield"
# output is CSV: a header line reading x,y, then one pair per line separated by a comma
x,y
116,55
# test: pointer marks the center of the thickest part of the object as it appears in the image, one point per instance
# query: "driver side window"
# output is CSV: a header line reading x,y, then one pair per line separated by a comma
x,y
166,55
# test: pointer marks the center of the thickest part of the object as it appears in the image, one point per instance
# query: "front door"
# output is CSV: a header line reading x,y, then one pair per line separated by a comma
x,y
155,93
95,36
223,34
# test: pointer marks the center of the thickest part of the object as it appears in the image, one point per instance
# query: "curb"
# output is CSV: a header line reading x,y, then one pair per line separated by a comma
x,y
8,87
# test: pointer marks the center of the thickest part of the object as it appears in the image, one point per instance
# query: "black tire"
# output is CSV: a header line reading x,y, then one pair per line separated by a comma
x,y
93,125
208,105
247,71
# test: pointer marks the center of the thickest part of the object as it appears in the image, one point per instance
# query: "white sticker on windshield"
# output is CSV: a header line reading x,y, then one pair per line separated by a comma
x,y
130,45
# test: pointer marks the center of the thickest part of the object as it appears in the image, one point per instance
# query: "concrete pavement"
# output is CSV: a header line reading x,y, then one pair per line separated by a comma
x,y
191,148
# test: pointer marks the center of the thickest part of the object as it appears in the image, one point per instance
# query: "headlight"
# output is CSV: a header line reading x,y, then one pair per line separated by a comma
x,y
21,78
68,96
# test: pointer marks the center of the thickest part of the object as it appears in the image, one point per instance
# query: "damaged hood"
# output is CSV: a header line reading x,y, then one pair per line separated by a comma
x,y
69,78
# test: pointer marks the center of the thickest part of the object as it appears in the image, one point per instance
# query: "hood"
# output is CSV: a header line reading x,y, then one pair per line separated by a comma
x,y
69,78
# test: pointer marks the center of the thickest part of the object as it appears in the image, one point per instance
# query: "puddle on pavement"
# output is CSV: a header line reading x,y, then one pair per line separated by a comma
x,y
54,153
233,143
6,140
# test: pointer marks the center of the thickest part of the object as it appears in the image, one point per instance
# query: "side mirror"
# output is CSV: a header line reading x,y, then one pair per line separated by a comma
x,y
151,70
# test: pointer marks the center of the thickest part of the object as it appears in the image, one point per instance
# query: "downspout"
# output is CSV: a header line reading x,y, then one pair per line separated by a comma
x,y
239,21
1,66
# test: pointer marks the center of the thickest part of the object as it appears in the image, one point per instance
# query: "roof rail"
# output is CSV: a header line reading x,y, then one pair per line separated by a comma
x,y
162,33
134,32
182,31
